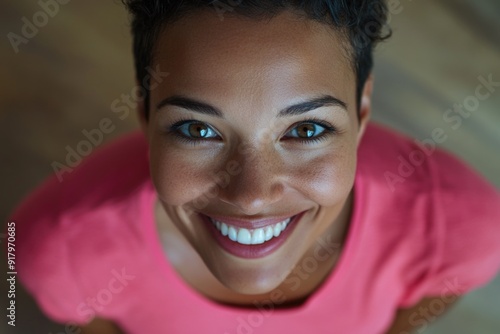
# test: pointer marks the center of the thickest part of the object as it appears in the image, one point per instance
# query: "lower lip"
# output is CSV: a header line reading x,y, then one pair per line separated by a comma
x,y
251,251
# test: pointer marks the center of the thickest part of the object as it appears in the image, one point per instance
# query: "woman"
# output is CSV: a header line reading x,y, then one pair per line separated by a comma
x,y
258,197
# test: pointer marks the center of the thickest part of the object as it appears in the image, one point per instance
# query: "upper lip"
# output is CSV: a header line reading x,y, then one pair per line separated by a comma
x,y
250,224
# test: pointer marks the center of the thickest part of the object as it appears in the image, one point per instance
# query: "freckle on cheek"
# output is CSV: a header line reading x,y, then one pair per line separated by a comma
x,y
179,185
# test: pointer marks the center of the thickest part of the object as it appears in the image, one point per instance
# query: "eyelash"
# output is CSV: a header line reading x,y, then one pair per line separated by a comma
x,y
329,130
173,129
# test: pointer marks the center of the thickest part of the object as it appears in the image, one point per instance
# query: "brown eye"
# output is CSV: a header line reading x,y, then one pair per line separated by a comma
x,y
306,130
311,131
193,130
198,130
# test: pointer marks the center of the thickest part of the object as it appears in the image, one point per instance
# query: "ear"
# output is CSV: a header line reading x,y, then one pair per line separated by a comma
x,y
365,108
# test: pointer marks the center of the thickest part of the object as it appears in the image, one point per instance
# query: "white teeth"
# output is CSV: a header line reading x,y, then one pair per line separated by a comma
x,y
244,236
233,234
223,228
251,237
277,230
258,236
269,233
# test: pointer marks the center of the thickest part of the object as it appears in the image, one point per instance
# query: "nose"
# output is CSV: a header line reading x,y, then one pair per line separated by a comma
x,y
258,184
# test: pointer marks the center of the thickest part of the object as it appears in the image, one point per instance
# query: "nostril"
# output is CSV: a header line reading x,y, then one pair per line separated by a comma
x,y
250,186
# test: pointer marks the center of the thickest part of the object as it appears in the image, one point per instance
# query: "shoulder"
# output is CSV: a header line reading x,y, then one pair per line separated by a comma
x,y
111,172
60,225
441,211
395,160
457,198
406,166
469,208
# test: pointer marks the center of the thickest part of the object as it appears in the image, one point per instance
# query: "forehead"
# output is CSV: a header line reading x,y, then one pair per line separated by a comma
x,y
283,57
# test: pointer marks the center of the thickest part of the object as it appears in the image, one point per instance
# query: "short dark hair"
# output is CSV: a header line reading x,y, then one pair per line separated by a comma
x,y
362,22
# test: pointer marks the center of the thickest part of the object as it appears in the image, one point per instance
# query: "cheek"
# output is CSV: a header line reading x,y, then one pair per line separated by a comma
x,y
328,179
182,178
178,177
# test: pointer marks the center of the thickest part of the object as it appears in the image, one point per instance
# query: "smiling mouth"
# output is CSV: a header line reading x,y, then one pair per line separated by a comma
x,y
251,237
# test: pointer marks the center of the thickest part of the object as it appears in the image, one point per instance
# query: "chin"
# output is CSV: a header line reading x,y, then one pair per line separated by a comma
x,y
251,279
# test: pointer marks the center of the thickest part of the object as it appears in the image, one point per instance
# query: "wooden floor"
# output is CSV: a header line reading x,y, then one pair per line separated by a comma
x,y
64,79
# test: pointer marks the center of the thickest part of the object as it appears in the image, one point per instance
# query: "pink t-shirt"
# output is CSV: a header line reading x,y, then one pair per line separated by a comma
x,y
88,246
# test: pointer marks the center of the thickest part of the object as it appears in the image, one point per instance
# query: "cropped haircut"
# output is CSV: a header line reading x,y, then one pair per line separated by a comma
x,y
361,22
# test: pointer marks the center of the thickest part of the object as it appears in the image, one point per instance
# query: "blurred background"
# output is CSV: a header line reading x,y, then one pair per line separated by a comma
x,y
64,78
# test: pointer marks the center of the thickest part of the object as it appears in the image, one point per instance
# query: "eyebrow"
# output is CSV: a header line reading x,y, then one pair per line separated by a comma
x,y
293,110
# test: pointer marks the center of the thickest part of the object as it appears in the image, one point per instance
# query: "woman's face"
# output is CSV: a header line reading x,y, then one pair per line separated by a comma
x,y
257,120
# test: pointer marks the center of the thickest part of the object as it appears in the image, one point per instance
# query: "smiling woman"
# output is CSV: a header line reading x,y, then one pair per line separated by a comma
x,y
249,96
254,199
